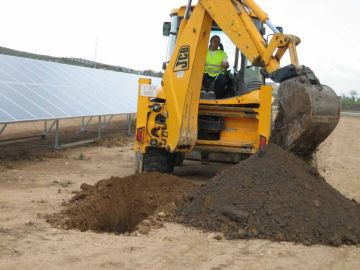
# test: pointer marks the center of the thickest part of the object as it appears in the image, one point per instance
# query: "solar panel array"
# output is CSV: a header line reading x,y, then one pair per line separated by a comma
x,y
39,90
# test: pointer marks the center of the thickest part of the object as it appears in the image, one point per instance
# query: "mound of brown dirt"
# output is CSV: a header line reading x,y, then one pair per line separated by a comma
x,y
120,204
274,195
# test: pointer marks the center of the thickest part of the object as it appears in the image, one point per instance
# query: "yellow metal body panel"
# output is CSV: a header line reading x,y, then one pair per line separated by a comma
x,y
249,98
243,126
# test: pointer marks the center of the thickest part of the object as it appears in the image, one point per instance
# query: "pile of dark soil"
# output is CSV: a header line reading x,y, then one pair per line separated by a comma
x,y
122,205
274,195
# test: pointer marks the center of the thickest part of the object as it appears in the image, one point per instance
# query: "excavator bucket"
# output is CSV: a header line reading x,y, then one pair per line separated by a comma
x,y
308,111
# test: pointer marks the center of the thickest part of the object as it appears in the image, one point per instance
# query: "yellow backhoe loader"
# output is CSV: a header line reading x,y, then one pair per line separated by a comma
x,y
182,118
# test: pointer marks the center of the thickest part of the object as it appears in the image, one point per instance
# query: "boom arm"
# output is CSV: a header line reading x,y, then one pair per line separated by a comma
x,y
183,75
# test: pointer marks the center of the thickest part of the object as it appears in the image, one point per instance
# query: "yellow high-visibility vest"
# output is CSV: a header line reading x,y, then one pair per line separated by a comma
x,y
213,62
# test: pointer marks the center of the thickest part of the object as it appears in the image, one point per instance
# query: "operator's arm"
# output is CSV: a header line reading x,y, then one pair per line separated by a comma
x,y
225,62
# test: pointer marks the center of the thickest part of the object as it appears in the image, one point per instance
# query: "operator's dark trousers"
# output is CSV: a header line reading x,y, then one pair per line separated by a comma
x,y
219,84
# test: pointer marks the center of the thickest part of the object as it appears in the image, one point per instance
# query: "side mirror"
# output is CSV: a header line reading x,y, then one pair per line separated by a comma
x,y
166,29
281,30
262,30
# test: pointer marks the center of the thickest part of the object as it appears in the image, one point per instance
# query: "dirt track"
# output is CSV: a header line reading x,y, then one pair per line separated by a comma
x,y
30,189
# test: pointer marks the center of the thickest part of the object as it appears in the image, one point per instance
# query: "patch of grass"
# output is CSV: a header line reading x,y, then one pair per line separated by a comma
x,y
56,154
3,230
62,184
114,141
30,223
7,165
66,183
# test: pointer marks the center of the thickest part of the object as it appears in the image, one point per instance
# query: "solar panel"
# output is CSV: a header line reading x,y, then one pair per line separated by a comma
x,y
32,90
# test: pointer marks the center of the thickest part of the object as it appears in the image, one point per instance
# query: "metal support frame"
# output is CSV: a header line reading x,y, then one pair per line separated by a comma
x,y
57,135
129,123
57,144
54,125
84,125
106,123
3,128
99,129
47,130
17,139
103,122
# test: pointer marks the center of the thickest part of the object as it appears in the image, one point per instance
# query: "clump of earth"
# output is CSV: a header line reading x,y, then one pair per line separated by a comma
x,y
277,196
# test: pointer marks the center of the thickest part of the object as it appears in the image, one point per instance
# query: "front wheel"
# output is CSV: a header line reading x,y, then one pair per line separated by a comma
x,y
158,160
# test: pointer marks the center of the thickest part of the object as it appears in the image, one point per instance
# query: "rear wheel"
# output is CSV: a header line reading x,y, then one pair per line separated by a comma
x,y
158,160
178,158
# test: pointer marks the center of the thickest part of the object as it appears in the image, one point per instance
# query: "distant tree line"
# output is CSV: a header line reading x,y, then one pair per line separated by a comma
x,y
352,98
350,102
78,62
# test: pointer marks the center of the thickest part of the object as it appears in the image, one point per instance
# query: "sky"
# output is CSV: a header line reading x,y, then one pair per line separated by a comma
x,y
129,33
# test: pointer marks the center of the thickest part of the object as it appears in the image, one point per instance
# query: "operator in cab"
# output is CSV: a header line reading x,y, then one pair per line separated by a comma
x,y
215,66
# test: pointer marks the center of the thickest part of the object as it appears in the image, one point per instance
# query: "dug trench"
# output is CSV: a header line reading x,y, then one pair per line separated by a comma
x,y
123,205
272,195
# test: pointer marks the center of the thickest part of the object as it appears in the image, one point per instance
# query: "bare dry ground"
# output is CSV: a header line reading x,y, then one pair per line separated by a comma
x,y
34,184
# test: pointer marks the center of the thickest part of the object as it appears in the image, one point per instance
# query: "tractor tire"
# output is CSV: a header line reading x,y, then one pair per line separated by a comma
x,y
158,160
178,158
